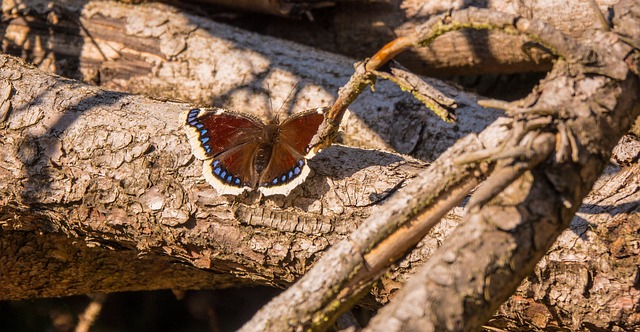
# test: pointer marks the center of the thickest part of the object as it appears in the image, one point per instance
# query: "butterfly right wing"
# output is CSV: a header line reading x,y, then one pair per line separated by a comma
x,y
288,166
228,142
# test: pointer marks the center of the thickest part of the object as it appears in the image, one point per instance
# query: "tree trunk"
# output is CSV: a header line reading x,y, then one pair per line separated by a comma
x,y
101,193
357,28
114,170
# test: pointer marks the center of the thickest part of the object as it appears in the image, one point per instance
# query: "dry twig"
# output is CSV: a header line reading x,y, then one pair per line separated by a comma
x,y
323,292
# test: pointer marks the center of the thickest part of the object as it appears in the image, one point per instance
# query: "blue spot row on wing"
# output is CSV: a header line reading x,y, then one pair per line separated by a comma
x,y
192,119
224,175
204,140
288,176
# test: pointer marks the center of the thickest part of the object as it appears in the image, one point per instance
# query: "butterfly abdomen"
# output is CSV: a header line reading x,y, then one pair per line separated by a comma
x,y
265,149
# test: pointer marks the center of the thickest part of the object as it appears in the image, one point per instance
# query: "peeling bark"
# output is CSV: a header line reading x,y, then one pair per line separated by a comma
x,y
114,169
104,184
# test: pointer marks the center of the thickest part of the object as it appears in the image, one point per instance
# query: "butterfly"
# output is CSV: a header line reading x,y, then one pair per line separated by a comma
x,y
241,152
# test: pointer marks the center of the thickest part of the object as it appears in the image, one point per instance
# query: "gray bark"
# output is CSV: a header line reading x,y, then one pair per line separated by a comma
x,y
113,170
553,151
100,192
358,29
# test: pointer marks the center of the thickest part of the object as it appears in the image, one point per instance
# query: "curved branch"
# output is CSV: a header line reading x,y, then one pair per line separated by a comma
x,y
486,258
471,18
489,280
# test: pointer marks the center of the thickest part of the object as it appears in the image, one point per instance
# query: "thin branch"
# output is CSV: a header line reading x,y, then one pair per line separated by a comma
x,y
435,100
471,18
91,312
511,224
344,273
324,291
604,25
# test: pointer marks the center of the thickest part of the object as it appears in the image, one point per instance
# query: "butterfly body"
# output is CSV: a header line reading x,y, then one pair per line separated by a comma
x,y
241,152
265,149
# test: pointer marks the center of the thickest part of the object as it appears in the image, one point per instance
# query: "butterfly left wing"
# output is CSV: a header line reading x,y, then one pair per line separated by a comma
x,y
232,171
288,165
212,131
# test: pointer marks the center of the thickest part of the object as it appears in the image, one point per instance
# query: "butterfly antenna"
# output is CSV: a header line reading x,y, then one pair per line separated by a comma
x,y
270,108
295,87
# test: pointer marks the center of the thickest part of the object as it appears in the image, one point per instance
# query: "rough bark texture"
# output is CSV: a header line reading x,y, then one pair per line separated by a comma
x,y
503,235
115,168
589,278
159,52
558,143
357,28
69,150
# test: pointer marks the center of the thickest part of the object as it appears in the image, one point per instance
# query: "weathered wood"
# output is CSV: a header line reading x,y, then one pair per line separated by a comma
x,y
554,149
114,169
502,237
588,279
36,224
358,29
157,51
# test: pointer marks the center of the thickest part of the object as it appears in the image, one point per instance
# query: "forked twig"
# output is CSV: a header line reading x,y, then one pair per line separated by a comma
x,y
346,271
555,41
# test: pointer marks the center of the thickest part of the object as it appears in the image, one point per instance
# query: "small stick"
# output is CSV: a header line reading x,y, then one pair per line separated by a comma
x,y
90,314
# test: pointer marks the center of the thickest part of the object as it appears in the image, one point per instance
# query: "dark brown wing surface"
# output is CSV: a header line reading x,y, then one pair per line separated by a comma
x,y
228,142
288,165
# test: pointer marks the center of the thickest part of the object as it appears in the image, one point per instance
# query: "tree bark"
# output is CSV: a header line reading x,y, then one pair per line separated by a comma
x,y
511,223
588,280
555,147
114,170
92,176
357,28
156,51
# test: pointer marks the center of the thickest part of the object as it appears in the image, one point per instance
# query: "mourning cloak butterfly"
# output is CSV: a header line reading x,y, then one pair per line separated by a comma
x,y
243,153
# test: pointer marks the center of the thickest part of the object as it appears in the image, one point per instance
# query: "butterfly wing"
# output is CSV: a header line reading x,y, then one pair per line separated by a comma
x,y
232,171
288,165
214,131
228,141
